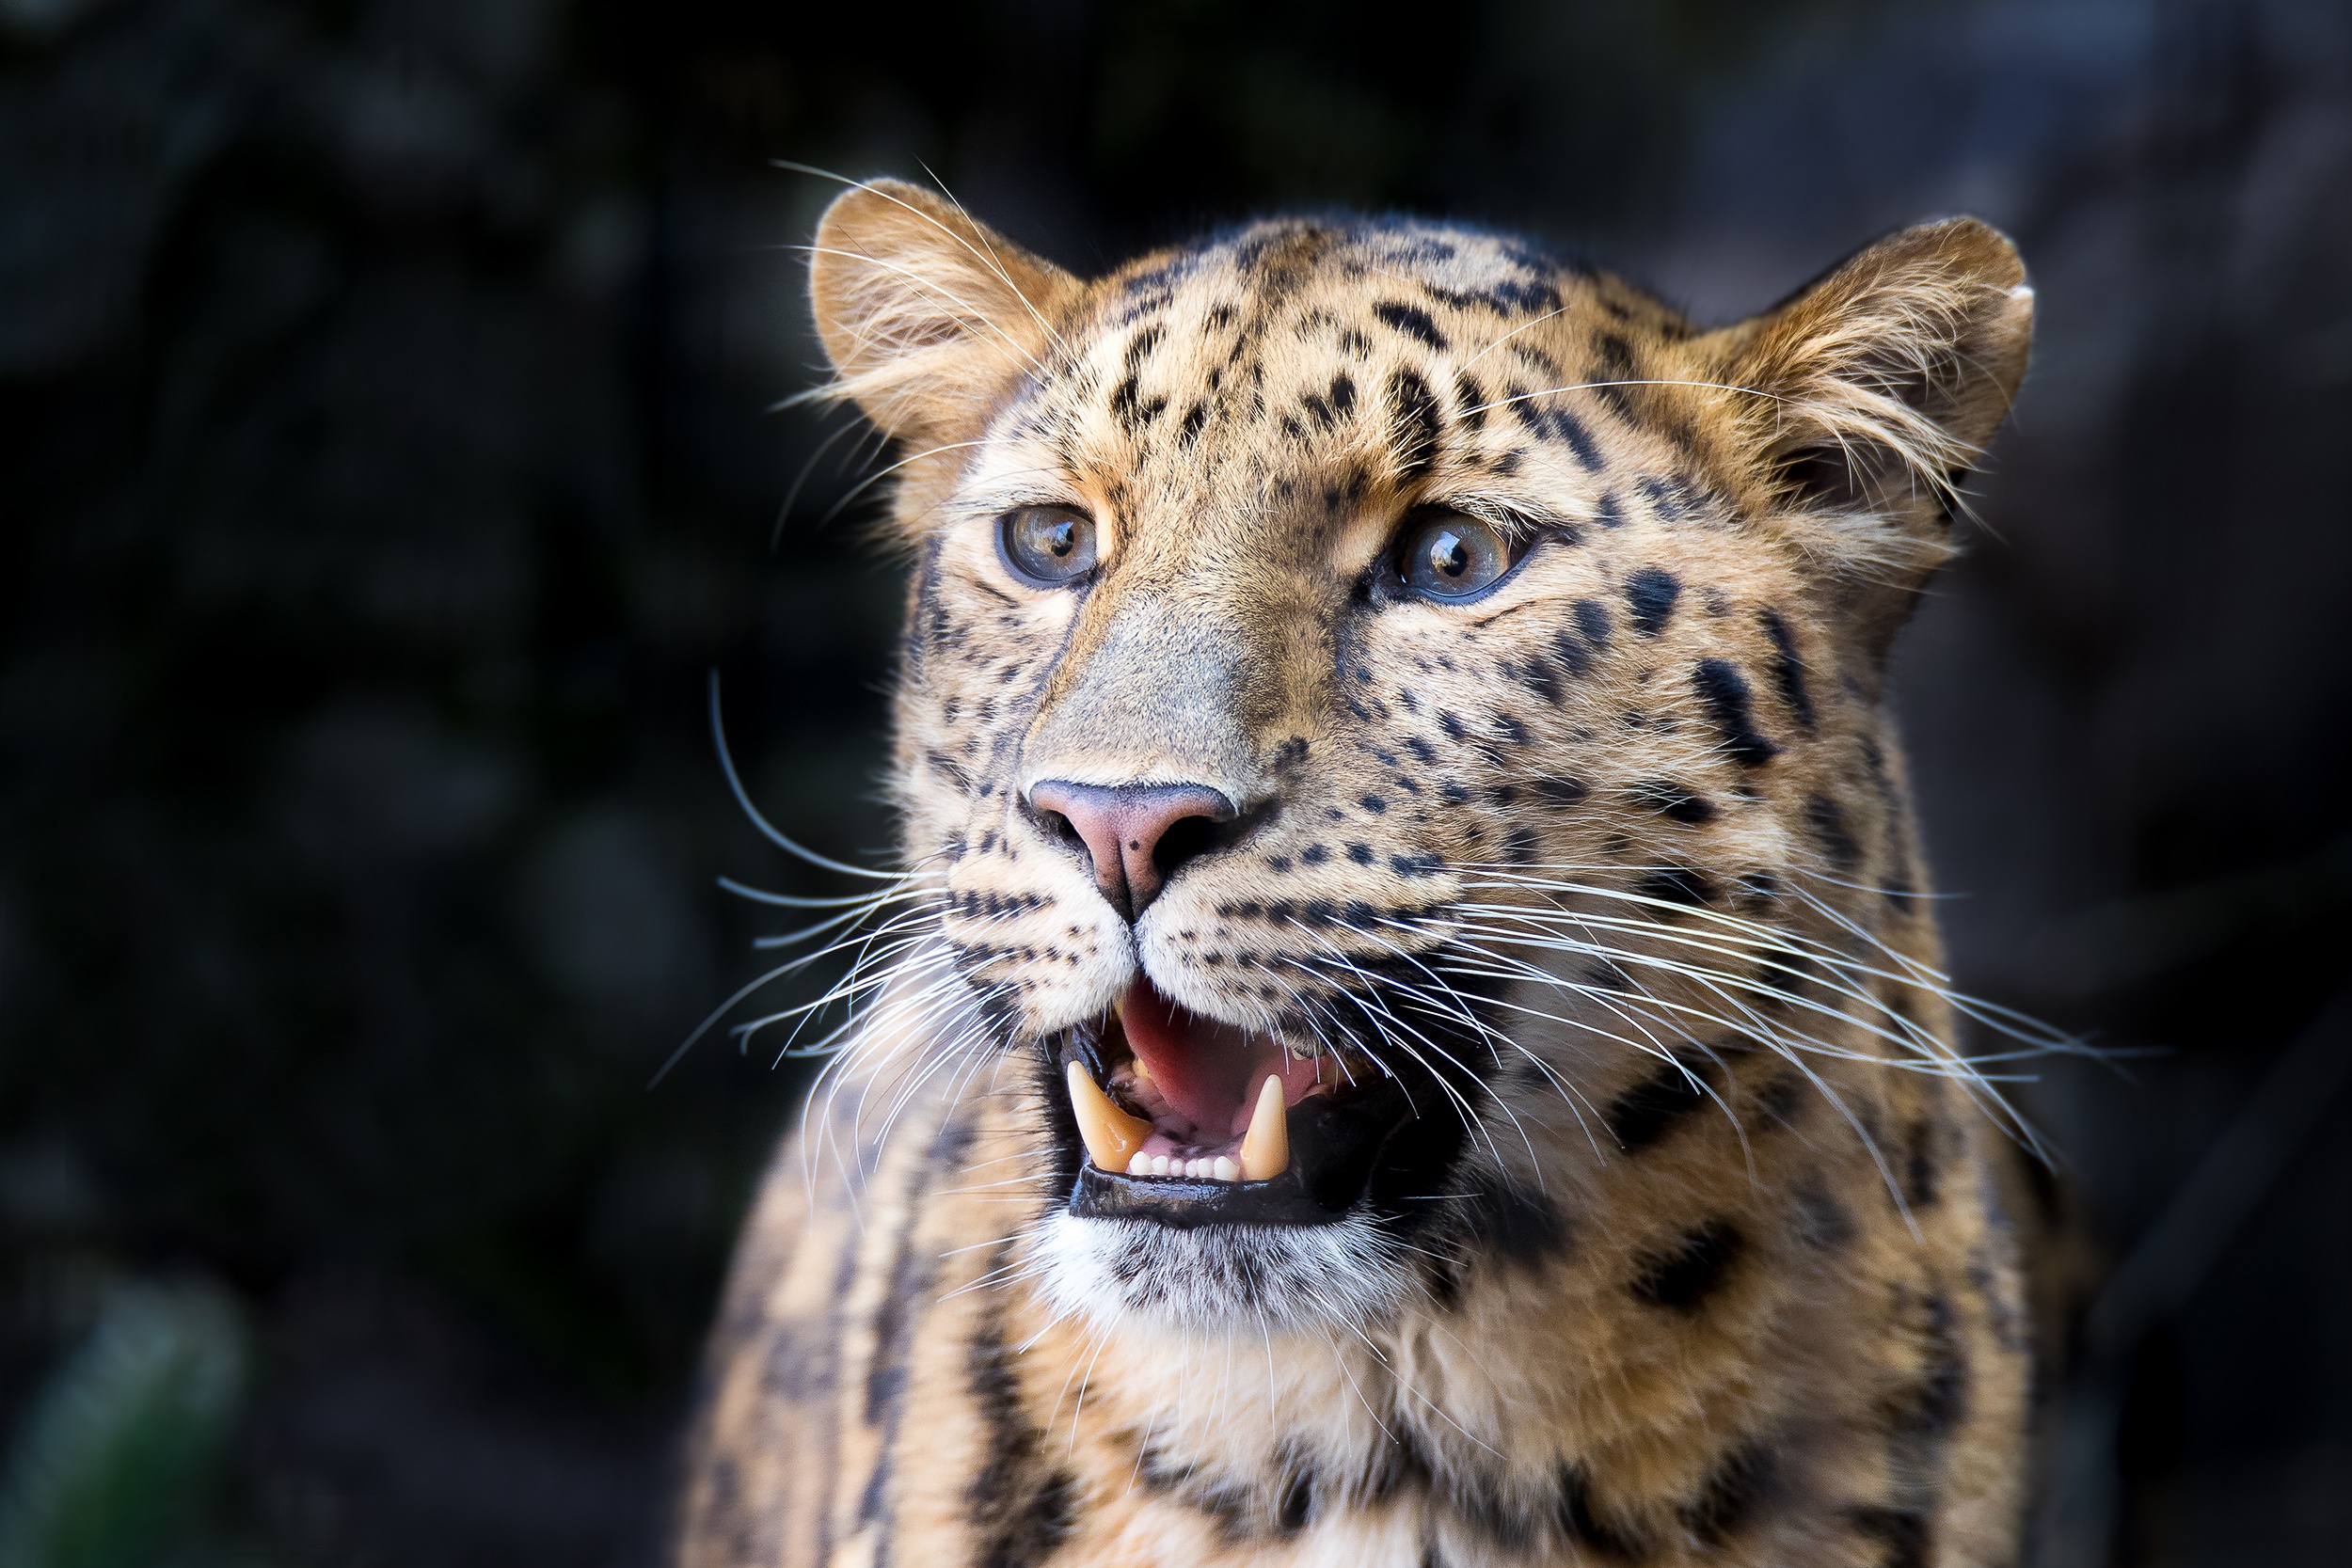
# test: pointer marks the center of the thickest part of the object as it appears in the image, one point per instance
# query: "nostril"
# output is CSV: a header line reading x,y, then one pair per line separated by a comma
x,y
1059,827
1181,840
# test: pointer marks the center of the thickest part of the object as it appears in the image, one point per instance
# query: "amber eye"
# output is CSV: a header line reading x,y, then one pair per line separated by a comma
x,y
1047,547
1448,555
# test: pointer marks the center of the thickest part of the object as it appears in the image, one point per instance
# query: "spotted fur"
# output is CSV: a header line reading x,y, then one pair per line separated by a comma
x,y
1719,1271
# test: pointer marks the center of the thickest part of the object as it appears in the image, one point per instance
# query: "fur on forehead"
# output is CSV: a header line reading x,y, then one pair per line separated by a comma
x,y
1842,422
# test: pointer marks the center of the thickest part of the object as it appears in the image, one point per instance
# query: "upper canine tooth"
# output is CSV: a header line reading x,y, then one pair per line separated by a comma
x,y
1112,1136
1266,1149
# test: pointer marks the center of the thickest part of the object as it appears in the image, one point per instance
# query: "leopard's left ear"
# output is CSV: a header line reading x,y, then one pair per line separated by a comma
x,y
1873,393
929,316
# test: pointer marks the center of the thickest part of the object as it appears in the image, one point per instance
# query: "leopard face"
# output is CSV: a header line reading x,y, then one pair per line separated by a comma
x,y
1379,709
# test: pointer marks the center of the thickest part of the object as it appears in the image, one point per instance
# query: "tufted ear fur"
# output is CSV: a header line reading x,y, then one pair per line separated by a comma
x,y
1881,383
927,316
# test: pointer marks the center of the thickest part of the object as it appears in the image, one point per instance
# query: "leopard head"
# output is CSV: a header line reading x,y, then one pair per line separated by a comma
x,y
1374,697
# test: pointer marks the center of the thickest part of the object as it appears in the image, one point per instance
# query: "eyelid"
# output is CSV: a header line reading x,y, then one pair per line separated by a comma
x,y
1519,527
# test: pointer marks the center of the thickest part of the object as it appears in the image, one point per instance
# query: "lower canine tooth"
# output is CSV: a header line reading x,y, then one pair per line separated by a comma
x,y
1112,1136
1266,1149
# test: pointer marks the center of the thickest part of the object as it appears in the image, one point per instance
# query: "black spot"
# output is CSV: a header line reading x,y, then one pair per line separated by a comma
x,y
1227,1507
1726,692
1019,1515
1672,499
1297,1507
1615,364
1609,512
1781,1097
1933,1406
1473,410
1592,619
1683,1276
1922,1167
1555,424
1645,1113
1675,884
1360,853
1455,729
1374,804
1522,845
1571,430
1822,1221
1826,820
1651,593
1902,1532
1141,346
1315,854
1416,865
1421,749
1397,1467
1739,1484
1574,1517
1420,424
1671,801
1195,416
1412,321
1562,792
1788,669
1524,1228
1573,654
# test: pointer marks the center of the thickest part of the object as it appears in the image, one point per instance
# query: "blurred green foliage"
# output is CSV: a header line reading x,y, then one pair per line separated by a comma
x,y
114,1462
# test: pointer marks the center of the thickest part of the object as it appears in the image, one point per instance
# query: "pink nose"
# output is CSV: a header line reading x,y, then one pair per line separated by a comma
x,y
1135,834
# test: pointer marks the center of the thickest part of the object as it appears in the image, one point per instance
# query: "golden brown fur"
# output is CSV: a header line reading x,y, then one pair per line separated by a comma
x,y
1719,1271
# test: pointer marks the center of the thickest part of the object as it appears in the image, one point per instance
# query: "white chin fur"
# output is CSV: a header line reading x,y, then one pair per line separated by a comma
x,y
1216,1280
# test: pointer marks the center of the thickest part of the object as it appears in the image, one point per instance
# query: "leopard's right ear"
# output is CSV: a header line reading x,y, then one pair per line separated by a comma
x,y
927,316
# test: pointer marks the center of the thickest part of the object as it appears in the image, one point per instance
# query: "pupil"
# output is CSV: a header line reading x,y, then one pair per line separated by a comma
x,y
1448,556
1063,538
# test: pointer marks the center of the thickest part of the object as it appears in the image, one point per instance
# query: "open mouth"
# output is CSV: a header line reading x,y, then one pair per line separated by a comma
x,y
1188,1121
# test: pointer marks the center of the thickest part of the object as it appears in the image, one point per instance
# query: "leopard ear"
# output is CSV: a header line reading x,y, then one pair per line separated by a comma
x,y
927,316
1875,390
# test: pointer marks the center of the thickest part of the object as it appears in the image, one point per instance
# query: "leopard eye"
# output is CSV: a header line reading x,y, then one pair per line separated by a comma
x,y
1047,547
1449,555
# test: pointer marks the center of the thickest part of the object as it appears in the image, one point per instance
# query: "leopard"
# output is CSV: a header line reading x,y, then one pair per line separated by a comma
x,y
1406,1026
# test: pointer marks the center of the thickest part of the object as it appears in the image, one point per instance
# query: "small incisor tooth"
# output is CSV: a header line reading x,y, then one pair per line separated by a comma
x,y
1266,1149
1112,1136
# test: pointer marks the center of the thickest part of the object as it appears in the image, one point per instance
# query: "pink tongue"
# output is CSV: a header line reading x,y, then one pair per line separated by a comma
x,y
1208,1071
1202,1080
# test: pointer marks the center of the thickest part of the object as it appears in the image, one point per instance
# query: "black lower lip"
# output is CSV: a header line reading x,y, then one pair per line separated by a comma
x,y
1337,1144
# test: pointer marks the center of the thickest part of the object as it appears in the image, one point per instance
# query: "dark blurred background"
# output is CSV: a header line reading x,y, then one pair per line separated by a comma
x,y
388,452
